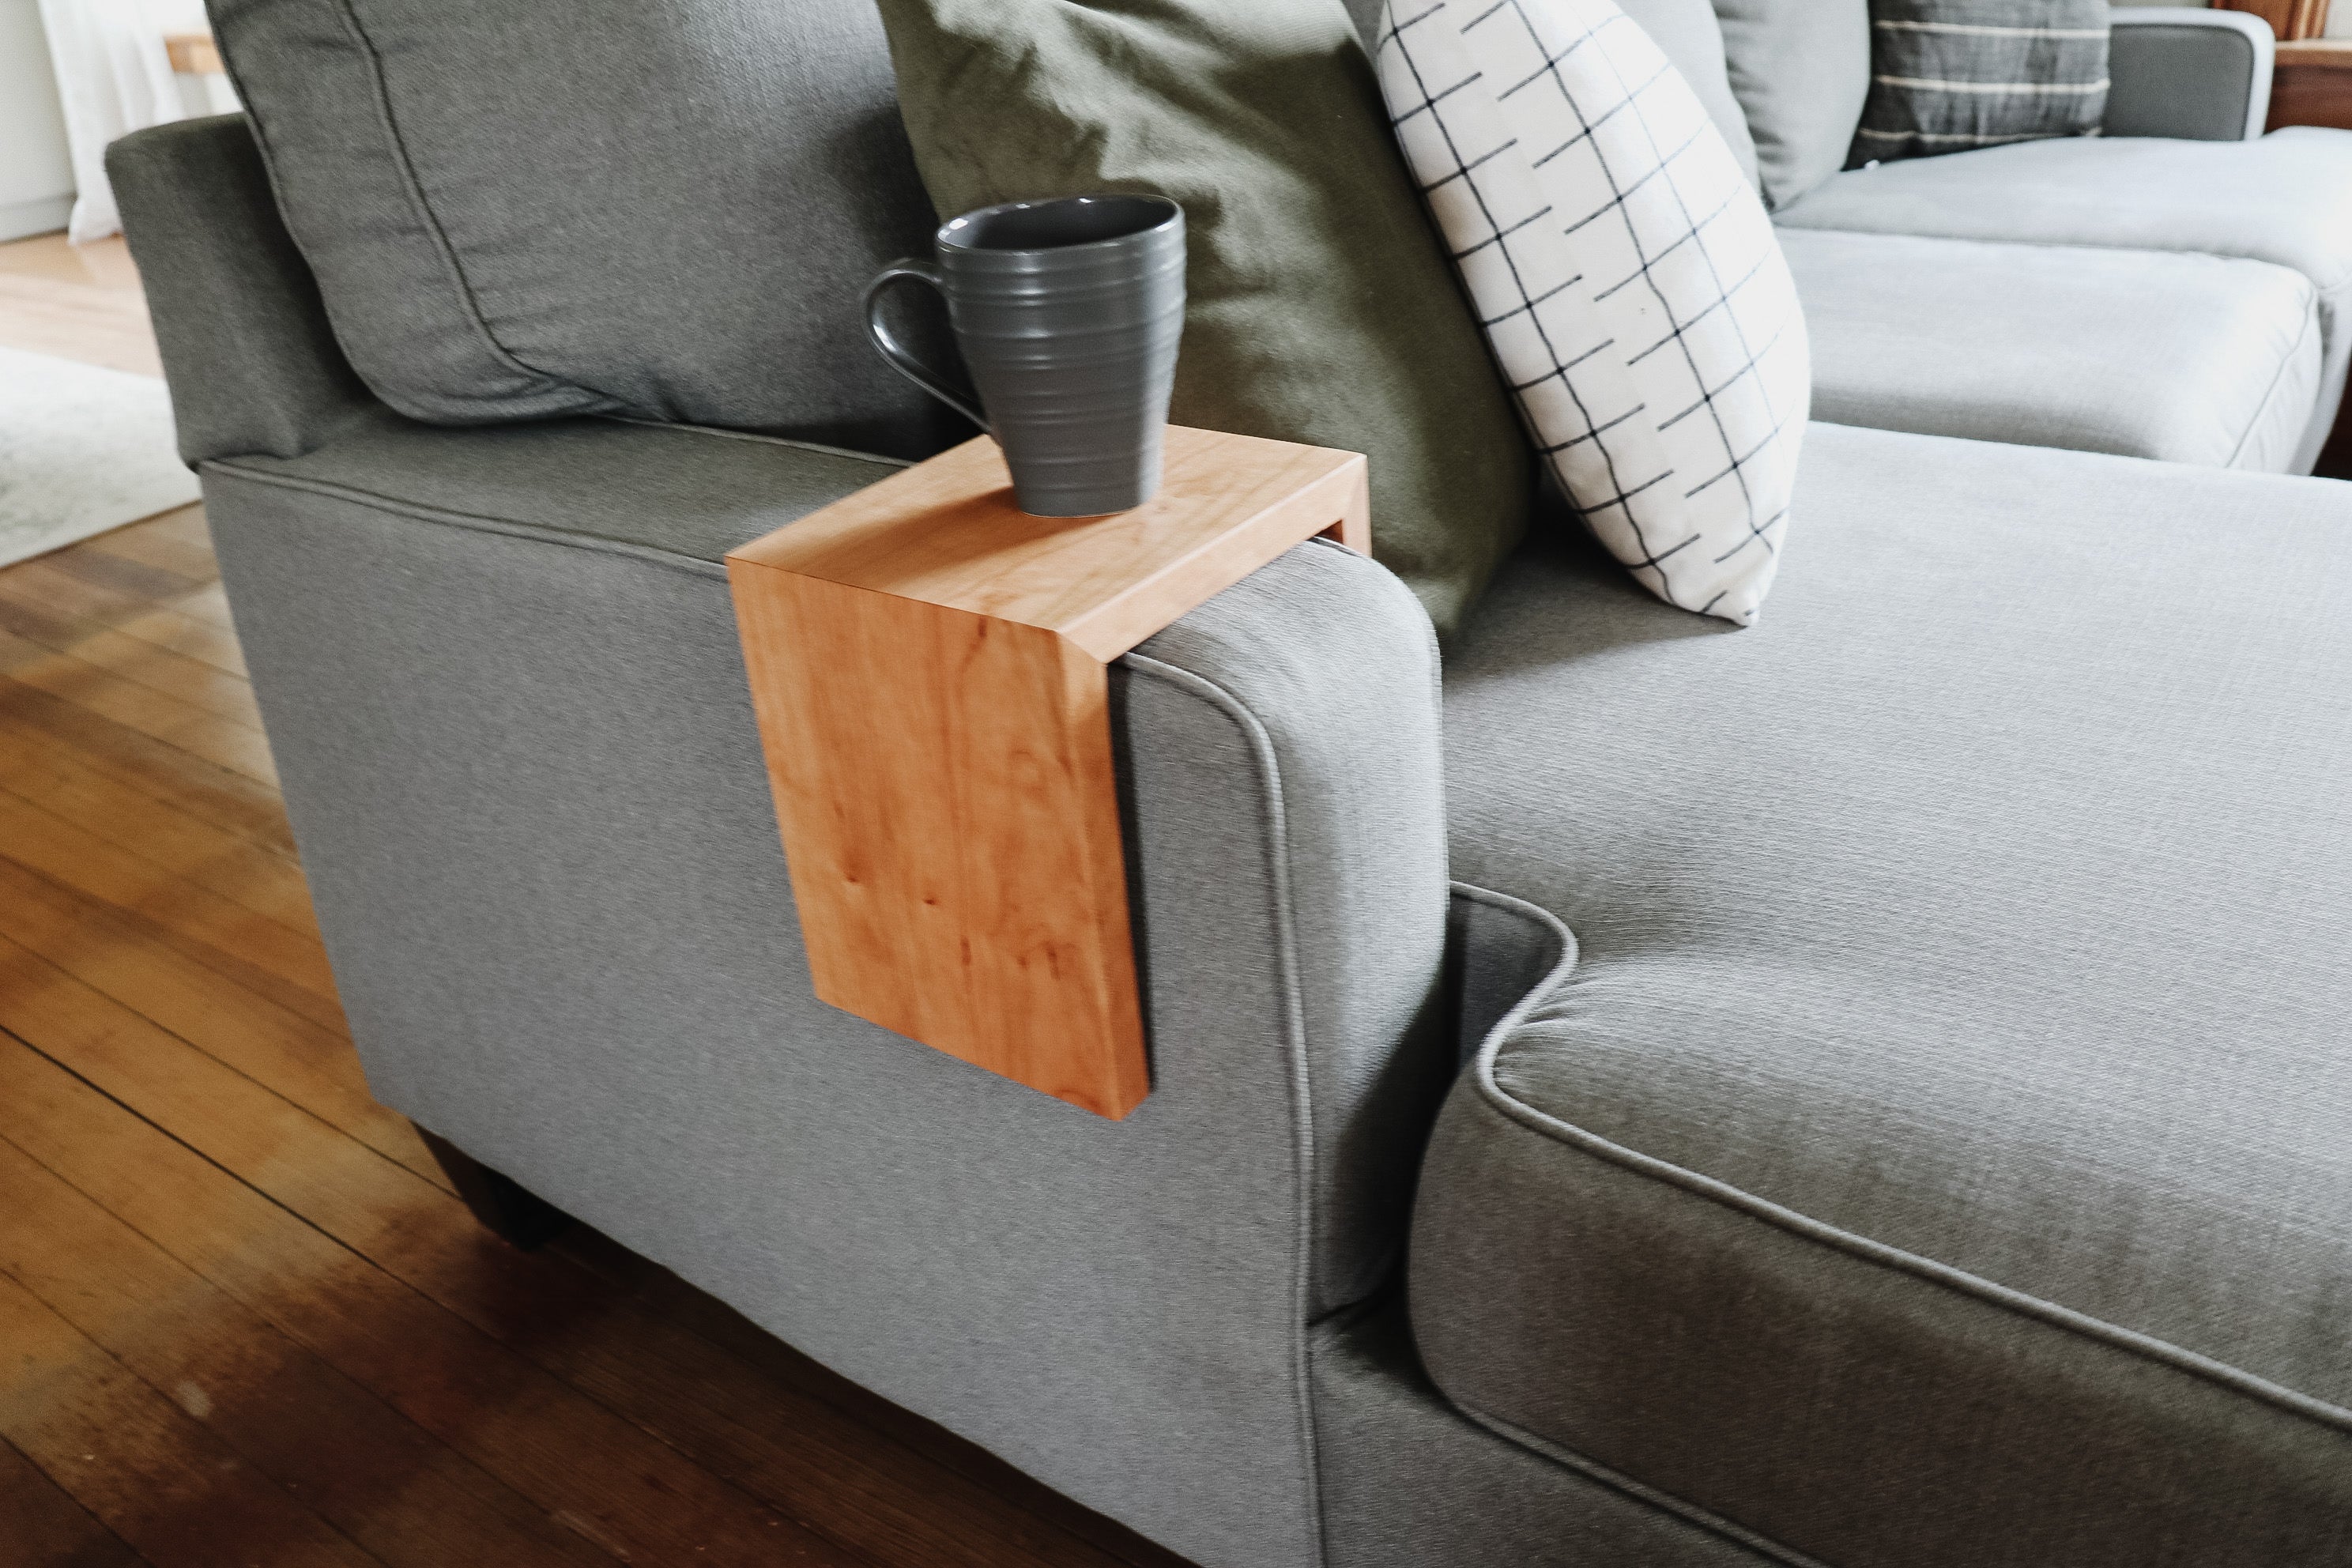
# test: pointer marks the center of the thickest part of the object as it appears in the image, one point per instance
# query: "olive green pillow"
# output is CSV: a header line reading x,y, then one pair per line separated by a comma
x,y
1322,307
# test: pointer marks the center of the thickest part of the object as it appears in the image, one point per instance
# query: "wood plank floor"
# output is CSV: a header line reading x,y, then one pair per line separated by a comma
x,y
243,1319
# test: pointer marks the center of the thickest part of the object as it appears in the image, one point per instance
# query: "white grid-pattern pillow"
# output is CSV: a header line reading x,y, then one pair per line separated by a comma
x,y
1626,275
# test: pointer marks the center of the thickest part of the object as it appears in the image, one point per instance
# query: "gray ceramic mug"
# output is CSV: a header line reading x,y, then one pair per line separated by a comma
x,y
1067,314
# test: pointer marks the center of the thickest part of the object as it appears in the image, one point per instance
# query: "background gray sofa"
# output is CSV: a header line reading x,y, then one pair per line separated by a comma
x,y
1870,1088
2172,290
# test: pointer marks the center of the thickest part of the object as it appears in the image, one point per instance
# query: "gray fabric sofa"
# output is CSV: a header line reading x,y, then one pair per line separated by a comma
x,y
2063,293
1871,1088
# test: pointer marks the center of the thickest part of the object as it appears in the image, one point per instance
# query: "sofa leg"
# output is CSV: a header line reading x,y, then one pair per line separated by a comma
x,y
2336,457
523,1219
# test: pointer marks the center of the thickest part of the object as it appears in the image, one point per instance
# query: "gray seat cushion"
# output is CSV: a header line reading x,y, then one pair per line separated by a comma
x,y
2285,198
1941,1153
2191,359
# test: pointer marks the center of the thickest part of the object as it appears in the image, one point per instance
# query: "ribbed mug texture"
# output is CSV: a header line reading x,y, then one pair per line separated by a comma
x,y
1071,346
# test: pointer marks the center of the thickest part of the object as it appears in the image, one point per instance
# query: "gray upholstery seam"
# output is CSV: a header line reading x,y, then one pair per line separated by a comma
x,y
2343,285
1553,978
284,210
1564,960
1328,1335
1957,1281
1980,242
1274,823
755,435
2278,377
691,565
1640,1491
1536,995
1429,628
2330,294
432,223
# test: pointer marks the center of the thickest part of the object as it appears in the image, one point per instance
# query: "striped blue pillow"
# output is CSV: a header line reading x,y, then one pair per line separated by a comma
x,y
1950,76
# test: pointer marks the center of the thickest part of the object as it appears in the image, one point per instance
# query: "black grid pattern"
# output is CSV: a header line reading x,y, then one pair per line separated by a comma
x,y
1626,273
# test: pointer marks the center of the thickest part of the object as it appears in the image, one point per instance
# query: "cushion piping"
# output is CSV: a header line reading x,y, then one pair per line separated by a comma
x,y
1305,1189
1553,978
756,435
2286,361
398,148
1551,925
2278,376
545,532
1665,1501
2333,292
1944,1276
418,511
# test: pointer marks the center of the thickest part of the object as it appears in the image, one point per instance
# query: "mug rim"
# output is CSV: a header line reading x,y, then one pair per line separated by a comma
x,y
944,238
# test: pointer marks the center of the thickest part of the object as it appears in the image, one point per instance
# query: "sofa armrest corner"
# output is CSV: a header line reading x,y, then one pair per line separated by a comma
x,y
251,358
2199,75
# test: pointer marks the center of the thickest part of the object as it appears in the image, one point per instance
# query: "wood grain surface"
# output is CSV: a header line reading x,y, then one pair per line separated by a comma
x,y
951,817
2289,20
2313,84
243,1319
928,664
947,533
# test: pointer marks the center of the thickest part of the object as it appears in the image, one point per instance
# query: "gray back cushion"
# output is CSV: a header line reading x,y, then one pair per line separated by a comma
x,y
1693,40
1801,69
595,206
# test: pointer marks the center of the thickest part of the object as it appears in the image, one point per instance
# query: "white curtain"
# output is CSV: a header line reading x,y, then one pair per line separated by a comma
x,y
113,77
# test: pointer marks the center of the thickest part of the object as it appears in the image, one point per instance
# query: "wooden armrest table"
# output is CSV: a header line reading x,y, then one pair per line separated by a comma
x,y
928,663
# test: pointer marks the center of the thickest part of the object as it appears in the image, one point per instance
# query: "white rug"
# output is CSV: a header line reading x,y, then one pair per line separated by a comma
x,y
81,450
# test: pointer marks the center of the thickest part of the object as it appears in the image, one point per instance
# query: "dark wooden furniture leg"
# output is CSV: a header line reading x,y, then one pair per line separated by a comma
x,y
2313,84
520,1217
2336,457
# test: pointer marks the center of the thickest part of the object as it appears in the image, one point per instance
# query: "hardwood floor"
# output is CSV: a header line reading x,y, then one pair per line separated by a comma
x,y
243,1318
76,302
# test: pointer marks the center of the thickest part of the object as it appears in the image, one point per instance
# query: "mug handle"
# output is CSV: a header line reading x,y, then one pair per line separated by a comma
x,y
904,363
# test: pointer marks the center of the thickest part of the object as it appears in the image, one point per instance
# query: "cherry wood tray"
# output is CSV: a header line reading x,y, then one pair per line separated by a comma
x,y
928,663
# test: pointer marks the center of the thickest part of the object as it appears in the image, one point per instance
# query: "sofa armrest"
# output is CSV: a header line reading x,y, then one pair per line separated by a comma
x,y
504,687
2201,76
253,363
